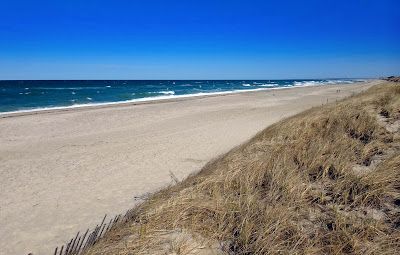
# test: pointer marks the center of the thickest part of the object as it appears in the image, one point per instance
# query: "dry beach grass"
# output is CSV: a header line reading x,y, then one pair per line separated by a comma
x,y
324,181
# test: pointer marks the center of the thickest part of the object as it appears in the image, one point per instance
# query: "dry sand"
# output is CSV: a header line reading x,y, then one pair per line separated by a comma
x,y
61,171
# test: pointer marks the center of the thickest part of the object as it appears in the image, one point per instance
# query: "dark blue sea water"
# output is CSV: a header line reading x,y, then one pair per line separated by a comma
x,y
31,95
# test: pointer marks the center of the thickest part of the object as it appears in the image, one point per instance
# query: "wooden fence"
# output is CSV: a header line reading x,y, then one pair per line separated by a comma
x,y
83,241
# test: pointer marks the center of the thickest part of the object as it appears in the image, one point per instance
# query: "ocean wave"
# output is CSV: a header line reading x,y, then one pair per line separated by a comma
x,y
271,85
340,81
306,83
323,82
332,82
246,85
166,92
264,83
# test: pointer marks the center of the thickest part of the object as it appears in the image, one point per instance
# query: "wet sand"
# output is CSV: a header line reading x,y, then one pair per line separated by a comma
x,y
62,170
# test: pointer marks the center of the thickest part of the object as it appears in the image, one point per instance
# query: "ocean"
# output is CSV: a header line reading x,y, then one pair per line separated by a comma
x,y
35,95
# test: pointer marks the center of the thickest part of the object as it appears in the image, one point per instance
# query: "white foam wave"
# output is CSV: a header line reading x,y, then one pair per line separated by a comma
x,y
271,85
167,92
324,82
306,83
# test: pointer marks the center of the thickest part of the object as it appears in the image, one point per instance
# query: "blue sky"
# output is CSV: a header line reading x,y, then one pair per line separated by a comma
x,y
187,39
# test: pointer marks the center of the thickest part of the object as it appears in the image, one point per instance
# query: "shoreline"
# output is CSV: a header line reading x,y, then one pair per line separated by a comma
x,y
157,99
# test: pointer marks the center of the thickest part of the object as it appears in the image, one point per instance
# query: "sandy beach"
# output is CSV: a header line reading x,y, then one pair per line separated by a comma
x,y
62,170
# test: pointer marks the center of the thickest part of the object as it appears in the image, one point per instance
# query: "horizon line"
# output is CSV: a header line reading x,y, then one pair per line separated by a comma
x,y
275,79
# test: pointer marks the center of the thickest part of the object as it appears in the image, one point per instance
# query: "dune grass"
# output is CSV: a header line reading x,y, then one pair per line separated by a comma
x,y
324,181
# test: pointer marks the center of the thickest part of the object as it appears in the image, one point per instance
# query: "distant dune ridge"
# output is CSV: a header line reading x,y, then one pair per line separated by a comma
x,y
324,181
